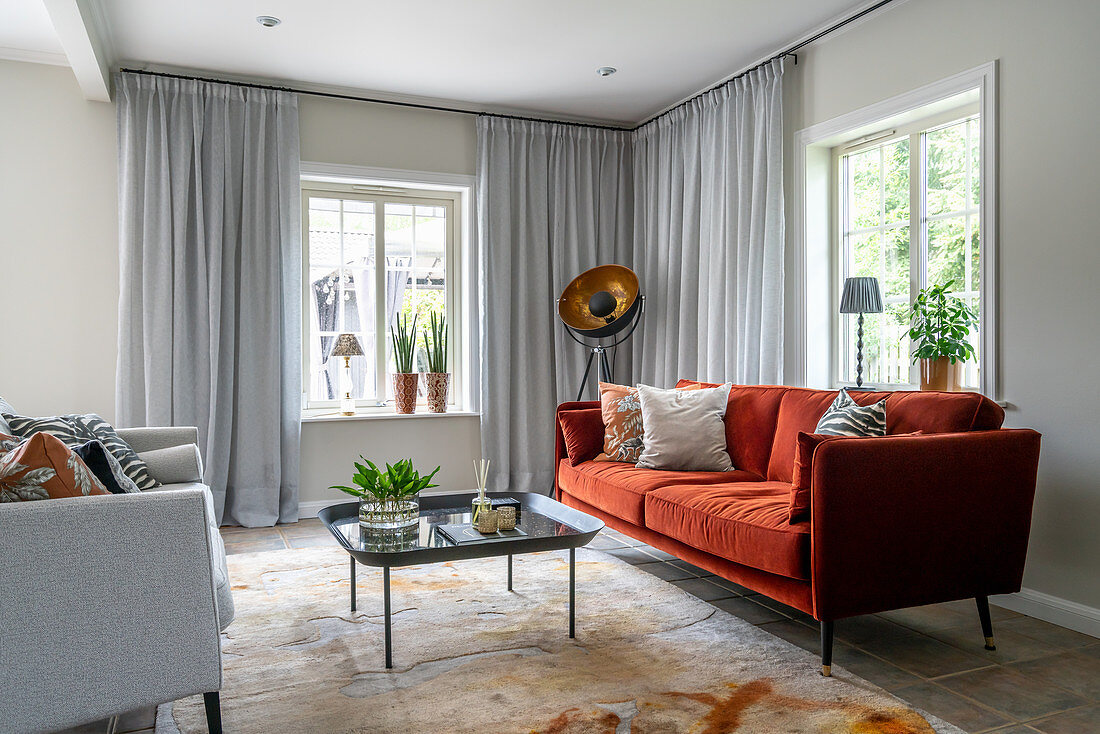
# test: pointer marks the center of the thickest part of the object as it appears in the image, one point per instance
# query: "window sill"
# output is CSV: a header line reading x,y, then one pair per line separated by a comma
x,y
384,414
897,387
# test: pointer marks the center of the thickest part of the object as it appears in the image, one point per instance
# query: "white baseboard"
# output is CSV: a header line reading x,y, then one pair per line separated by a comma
x,y
1053,609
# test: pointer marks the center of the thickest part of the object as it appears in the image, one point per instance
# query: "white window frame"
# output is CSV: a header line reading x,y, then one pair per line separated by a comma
x,y
917,224
411,187
814,269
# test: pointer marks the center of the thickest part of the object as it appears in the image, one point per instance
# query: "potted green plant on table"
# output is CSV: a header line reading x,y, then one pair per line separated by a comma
x,y
435,343
404,378
938,329
388,500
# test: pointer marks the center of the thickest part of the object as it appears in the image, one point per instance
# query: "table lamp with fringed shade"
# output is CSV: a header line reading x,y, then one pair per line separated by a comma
x,y
861,295
347,346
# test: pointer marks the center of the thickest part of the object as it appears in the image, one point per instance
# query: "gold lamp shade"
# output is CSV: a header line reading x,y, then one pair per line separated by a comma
x,y
601,301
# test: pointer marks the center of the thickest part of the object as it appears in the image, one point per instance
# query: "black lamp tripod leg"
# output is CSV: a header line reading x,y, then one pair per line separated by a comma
x,y
605,368
587,371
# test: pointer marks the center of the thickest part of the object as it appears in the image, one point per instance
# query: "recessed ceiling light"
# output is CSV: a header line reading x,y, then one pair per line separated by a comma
x,y
606,70
268,21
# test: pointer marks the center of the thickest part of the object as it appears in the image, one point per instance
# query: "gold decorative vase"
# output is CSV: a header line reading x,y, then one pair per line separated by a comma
x,y
404,391
940,374
437,386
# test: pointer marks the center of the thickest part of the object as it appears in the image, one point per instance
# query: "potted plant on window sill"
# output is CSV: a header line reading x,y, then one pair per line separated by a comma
x,y
404,379
437,378
938,328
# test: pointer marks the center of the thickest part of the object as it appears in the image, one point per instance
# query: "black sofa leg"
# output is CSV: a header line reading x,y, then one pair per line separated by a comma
x,y
827,649
987,623
213,712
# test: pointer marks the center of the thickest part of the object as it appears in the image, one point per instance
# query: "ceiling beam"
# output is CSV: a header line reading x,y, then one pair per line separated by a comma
x,y
84,36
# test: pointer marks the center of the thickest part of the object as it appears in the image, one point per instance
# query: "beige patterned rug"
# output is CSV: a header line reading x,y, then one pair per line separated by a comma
x,y
469,656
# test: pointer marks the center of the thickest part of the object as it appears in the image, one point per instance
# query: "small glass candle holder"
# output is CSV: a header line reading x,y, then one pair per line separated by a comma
x,y
487,521
506,518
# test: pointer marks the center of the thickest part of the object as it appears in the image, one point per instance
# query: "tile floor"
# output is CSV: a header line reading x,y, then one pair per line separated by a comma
x,y
1042,678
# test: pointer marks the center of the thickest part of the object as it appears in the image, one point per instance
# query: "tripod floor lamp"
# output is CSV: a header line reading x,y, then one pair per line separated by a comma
x,y
598,304
861,295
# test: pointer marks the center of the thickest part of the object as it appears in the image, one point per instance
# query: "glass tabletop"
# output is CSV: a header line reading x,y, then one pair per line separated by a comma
x,y
426,534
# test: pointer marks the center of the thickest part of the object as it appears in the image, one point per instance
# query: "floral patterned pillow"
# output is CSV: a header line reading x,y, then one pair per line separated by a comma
x,y
622,420
42,467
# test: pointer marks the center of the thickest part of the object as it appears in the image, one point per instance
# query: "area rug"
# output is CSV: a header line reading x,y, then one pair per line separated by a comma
x,y
470,656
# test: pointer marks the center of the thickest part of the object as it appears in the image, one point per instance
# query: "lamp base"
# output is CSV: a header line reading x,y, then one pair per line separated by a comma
x,y
347,405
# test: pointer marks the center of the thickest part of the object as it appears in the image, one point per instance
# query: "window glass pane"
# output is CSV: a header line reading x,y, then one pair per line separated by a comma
x,y
975,162
896,181
894,279
947,169
947,252
864,206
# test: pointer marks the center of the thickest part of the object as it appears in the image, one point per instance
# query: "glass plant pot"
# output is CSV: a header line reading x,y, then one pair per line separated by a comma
x,y
389,515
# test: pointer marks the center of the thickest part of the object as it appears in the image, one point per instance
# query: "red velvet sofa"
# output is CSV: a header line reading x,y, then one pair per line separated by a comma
x,y
896,521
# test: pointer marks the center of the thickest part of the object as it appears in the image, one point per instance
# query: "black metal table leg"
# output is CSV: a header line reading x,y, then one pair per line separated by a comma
x,y
572,592
509,573
386,611
353,583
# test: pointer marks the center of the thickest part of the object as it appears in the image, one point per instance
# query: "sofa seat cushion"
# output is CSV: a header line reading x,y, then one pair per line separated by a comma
x,y
619,489
745,522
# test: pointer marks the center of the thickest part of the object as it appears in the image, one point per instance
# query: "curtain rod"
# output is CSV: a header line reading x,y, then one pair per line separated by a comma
x,y
439,108
782,54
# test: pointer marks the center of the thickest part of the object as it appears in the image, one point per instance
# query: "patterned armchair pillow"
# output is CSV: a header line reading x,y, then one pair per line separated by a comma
x,y
42,467
76,430
845,417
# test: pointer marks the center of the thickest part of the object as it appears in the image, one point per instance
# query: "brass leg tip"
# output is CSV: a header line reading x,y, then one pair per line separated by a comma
x,y
989,644
827,671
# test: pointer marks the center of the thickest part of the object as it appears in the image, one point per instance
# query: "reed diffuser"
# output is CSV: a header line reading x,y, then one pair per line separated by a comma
x,y
481,502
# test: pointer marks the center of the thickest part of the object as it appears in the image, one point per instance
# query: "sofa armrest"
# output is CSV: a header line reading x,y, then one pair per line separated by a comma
x,y
909,520
108,606
559,437
158,437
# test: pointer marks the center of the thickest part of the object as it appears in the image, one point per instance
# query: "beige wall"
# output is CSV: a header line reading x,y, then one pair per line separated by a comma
x,y
59,260
1049,256
58,244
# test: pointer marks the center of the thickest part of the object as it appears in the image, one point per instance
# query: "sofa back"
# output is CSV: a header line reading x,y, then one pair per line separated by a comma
x,y
763,421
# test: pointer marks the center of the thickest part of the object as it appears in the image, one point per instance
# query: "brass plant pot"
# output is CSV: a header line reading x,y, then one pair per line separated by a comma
x,y
437,384
404,391
940,374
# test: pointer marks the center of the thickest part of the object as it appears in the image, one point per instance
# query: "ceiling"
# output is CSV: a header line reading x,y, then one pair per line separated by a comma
x,y
503,55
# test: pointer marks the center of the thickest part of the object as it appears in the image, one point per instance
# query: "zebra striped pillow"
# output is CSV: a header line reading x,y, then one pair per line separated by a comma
x,y
75,430
845,417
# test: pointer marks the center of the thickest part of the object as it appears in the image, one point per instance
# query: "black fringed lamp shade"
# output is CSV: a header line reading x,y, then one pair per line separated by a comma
x,y
861,295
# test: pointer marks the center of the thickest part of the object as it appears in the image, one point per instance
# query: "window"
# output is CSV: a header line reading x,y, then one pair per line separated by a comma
x,y
909,213
373,254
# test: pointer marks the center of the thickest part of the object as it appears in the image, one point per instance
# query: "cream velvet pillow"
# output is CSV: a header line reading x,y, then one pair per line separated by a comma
x,y
683,429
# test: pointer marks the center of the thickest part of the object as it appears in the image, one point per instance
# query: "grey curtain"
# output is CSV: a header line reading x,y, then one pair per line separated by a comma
x,y
553,200
709,235
692,201
210,303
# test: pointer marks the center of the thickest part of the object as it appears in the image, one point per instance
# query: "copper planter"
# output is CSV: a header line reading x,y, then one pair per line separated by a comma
x,y
438,384
940,374
404,391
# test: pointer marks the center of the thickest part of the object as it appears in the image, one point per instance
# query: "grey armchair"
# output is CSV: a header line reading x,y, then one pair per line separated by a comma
x,y
113,603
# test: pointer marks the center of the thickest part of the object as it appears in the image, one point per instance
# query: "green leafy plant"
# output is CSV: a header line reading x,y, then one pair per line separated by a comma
x,y
940,324
404,344
435,342
398,481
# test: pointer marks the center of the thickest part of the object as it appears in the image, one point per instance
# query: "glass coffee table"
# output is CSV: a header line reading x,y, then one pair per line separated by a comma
x,y
547,524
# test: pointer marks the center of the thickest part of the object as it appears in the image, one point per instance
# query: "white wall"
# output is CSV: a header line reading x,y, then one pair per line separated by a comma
x,y
1049,256
59,260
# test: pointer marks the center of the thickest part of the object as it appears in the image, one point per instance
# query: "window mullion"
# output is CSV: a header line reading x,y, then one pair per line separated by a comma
x,y
380,301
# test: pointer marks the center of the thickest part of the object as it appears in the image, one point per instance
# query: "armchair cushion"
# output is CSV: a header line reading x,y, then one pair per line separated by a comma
x,y
42,467
106,467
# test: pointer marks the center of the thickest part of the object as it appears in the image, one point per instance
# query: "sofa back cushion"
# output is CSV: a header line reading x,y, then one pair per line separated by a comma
x,y
906,412
582,431
750,423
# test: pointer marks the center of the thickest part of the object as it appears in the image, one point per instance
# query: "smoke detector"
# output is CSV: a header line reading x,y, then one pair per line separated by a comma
x,y
268,21
606,70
